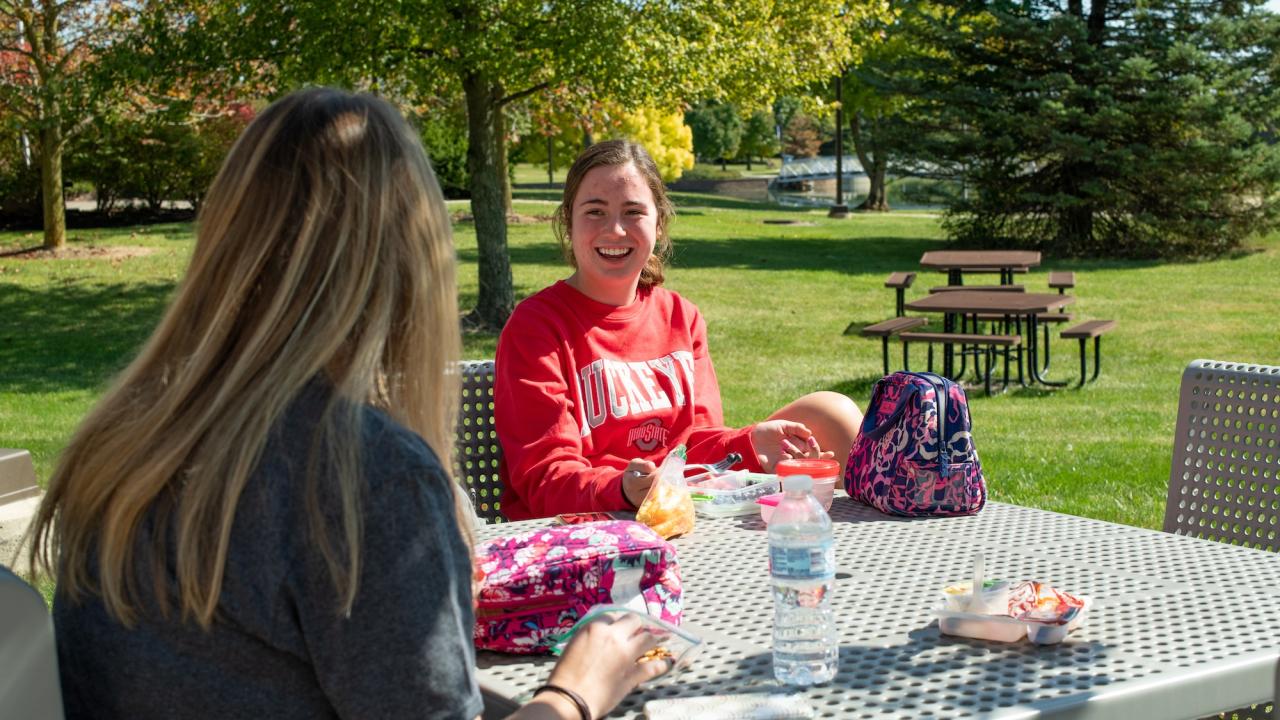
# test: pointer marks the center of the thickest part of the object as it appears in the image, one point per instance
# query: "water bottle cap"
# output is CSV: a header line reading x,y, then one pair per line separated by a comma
x,y
797,483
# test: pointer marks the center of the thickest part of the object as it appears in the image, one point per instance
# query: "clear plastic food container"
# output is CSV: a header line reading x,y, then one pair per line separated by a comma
x,y
993,600
1042,614
731,494
1003,628
825,473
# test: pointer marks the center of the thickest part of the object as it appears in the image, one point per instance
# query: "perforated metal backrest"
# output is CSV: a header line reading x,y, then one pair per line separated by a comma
x,y
1225,480
29,686
476,449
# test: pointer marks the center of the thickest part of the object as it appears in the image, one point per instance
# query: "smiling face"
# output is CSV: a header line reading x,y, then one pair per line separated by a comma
x,y
613,231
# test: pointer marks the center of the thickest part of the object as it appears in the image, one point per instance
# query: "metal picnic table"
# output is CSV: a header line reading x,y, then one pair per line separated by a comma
x,y
1022,305
956,262
1179,628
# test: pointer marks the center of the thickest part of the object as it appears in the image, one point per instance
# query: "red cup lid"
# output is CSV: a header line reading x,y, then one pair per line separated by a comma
x,y
812,467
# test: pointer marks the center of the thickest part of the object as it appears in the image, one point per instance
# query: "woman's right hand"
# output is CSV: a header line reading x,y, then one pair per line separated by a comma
x,y
601,663
637,479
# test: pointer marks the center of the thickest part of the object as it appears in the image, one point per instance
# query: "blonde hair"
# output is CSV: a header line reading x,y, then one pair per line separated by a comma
x,y
614,153
323,249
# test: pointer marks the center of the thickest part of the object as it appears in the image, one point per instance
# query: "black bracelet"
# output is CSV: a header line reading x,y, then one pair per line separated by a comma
x,y
583,709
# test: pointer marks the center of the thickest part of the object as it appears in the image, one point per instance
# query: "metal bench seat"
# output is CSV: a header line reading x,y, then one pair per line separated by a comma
x,y
988,343
1090,329
888,328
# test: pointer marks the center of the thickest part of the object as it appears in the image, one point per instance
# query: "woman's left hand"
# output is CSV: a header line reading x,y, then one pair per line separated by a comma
x,y
776,440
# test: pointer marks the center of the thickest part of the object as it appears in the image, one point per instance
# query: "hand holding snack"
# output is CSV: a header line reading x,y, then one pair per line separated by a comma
x,y
776,440
667,508
601,663
637,479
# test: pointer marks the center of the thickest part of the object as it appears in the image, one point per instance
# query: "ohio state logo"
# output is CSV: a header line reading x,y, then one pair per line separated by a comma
x,y
648,435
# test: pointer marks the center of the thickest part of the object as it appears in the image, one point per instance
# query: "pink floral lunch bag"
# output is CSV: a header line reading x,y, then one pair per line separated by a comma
x,y
915,454
538,583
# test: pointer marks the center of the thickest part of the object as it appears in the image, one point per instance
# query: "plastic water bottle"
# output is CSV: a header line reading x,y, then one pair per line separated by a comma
x,y
802,566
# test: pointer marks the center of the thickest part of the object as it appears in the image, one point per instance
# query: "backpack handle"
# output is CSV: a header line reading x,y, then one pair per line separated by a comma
x,y
875,432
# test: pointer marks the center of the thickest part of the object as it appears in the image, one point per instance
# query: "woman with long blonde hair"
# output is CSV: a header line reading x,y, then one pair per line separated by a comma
x,y
257,518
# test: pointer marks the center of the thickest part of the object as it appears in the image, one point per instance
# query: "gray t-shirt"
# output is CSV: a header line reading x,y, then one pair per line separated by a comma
x,y
278,647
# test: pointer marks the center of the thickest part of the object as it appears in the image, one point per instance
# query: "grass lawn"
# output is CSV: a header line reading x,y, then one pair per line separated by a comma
x,y
782,303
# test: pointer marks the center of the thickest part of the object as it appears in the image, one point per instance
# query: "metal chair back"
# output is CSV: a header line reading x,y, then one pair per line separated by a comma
x,y
477,453
1225,481
29,685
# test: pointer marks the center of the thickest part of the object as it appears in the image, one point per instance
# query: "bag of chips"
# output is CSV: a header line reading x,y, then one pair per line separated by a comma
x,y
667,508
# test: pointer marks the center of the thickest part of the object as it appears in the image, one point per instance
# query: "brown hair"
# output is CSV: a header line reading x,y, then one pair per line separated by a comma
x,y
322,249
613,153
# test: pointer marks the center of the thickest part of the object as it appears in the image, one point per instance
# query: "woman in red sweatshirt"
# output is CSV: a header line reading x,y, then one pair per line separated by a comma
x,y
600,375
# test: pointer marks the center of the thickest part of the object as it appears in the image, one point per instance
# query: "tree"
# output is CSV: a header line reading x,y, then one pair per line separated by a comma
x,y
717,130
49,82
870,102
569,117
801,137
784,108
758,138
664,135
1117,128
496,53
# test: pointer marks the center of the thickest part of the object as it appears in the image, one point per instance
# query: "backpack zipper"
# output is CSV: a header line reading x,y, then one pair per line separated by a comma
x,y
940,389
494,608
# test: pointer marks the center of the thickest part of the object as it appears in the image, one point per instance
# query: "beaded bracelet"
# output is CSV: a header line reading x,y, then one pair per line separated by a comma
x,y
583,709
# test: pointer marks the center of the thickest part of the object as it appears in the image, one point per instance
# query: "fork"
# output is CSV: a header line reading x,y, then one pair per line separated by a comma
x,y
721,467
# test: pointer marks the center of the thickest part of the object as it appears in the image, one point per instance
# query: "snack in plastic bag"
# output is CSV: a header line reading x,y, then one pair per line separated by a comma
x,y
667,508
677,646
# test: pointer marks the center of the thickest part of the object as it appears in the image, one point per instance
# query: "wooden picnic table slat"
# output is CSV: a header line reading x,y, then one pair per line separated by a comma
x,y
979,259
1013,303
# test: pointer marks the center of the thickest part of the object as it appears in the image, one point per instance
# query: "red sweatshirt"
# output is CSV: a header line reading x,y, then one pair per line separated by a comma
x,y
583,387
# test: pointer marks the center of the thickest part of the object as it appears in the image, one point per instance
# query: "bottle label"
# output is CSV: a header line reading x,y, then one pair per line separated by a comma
x,y
803,563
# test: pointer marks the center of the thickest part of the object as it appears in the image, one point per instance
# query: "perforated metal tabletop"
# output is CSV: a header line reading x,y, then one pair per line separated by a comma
x,y
1180,627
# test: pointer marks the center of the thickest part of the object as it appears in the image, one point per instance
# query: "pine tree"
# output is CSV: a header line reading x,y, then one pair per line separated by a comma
x,y
1117,129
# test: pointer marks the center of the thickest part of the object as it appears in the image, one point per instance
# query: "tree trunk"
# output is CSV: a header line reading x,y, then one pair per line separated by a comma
x,y
500,137
497,296
724,165
748,162
51,198
873,164
877,199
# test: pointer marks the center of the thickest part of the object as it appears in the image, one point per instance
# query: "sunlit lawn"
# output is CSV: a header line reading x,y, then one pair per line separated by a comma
x,y
779,301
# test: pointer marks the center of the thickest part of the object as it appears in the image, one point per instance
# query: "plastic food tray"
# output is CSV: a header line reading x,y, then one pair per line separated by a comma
x,y
1003,628
727,503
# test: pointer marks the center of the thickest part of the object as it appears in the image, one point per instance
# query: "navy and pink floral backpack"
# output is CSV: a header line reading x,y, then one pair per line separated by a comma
x,y
914,456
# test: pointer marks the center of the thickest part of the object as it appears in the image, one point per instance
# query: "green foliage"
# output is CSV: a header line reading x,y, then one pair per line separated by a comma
x,y
154,156
758,137
445,139
19,182
650,54
1121,129
717,130
784,108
